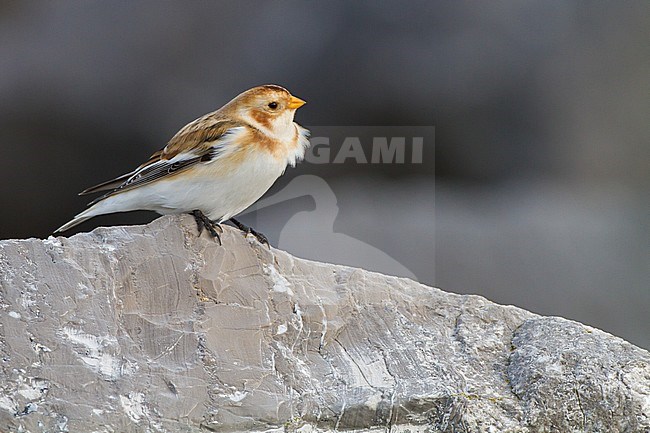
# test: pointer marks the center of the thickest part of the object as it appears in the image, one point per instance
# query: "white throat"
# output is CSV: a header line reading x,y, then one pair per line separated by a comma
x,y
284,129
281,128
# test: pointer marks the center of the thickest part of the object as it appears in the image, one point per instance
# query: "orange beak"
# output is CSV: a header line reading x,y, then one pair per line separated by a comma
x,y
296,103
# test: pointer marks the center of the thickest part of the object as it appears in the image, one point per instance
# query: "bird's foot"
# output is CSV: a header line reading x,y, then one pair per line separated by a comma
x,y
203,221
246,229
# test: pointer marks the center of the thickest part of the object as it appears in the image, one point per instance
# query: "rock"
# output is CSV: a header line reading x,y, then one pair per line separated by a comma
x,y
151,329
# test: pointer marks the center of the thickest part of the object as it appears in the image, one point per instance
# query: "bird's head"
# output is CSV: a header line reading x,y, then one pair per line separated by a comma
x,y
270,108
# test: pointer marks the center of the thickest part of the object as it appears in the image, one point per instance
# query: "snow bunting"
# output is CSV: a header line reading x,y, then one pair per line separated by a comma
x,y
214,167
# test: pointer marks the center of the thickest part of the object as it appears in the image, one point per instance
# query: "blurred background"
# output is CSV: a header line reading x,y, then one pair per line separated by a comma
x,y
534,191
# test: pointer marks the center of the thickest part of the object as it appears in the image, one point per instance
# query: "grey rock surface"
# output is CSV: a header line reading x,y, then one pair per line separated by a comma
x,y
151,329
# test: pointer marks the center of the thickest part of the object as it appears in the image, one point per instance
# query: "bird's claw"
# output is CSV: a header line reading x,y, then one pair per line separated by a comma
x,y
260,237
246,229
203,221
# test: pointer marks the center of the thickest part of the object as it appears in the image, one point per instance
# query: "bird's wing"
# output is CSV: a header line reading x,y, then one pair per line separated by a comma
x,y
191,145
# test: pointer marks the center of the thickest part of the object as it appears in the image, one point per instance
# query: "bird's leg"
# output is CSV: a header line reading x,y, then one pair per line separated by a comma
x,y
203,221
246,229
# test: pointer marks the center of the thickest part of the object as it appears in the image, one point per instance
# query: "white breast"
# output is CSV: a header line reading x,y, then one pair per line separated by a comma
x,y
218,195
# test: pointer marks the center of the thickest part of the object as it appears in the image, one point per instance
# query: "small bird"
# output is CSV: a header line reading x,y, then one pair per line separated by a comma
x,y
214,167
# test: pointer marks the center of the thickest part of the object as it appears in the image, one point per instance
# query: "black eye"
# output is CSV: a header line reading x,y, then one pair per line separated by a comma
x,y
273,105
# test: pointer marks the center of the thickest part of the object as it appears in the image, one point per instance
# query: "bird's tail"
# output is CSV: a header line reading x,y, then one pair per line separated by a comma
x,y
104,206
78,219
